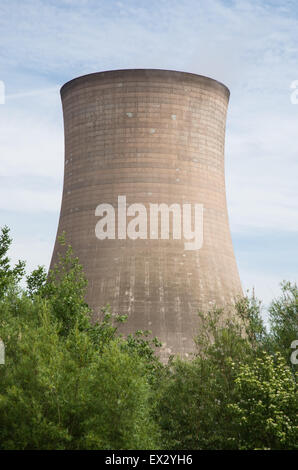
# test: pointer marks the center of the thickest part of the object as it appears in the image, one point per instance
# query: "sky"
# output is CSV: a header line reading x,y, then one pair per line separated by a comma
x,y
251,46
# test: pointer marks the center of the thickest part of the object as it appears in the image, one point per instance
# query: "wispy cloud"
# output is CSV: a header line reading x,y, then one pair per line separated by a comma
x,y
31,93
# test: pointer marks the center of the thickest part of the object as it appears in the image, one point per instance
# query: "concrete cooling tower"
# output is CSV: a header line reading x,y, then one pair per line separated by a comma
x,y
144,203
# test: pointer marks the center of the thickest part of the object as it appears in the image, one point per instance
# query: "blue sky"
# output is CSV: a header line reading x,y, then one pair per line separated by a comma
x,y
251,46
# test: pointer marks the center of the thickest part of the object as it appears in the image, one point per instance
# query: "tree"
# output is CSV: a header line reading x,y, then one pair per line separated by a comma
x,y
66,383
265,407
283,316
36,281
69,383
59,392
234,394
8,275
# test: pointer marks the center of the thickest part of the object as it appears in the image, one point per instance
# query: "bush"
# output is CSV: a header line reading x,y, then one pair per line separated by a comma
x,y
70,384
234,394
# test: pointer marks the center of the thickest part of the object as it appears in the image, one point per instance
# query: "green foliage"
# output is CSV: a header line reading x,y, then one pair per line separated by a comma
x,y
8,275
284,319
65,290
233,395
59,392
265,406
36,281
70,383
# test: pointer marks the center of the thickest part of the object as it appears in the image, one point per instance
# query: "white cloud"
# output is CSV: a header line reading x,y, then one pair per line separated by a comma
x,y
24,200
31,140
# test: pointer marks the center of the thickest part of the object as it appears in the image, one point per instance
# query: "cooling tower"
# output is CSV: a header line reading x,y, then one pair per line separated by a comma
x,y
137,140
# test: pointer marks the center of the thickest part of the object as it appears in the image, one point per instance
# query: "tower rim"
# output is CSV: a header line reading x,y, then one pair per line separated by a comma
x,y
146,73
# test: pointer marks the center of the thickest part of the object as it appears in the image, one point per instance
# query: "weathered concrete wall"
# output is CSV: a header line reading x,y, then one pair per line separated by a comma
x,y
155,136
